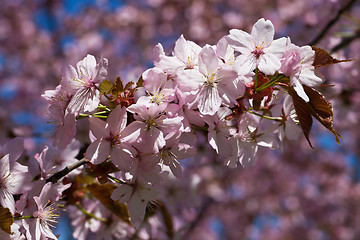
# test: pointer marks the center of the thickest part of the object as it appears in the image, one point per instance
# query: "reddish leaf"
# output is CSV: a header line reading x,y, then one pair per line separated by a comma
x,y
321,109
303,113
6,219
323,58
103,194
117,87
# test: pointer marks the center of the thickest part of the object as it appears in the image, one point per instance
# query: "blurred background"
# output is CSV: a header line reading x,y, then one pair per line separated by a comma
x,y
300,193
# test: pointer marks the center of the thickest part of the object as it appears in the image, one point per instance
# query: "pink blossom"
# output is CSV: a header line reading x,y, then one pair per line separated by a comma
x,y
45,217
157,85
147,132
176,149
297,64
85,226
258,49
52,160
290,128
185,56
221,132
136,194
82,83
64,122
206,82
13,180
110,140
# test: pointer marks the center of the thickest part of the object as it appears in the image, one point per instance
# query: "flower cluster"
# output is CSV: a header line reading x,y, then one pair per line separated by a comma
x,y
245,93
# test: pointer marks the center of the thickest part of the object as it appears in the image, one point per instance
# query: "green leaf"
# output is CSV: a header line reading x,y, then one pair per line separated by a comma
x,y
6,219
105,87
103,193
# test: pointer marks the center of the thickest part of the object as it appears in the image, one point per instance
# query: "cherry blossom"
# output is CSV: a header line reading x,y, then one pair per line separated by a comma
x,y
297,64
13,178
109,140
82,84
258,49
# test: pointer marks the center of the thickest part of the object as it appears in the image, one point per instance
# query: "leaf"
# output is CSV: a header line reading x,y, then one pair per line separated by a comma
x,y
105,87
321,109
140,82
128,85
117,87
6,219
303,114
103,193
323,58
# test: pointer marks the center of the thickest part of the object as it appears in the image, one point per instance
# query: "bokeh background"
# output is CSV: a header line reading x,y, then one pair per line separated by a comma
x,y
297,193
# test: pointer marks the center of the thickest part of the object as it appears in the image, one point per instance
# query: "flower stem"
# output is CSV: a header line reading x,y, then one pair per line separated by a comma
x,y
278,119
90,214
115,179
270,83
24,217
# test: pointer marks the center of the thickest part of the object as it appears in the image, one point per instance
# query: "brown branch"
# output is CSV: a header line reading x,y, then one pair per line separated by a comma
x,y
201,214
332,22
345,42
57,176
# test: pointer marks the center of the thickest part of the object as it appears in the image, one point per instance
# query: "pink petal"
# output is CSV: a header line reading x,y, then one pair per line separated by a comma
x,y
98,151
208,61
117,120
263,32
241,41
209,100
98,128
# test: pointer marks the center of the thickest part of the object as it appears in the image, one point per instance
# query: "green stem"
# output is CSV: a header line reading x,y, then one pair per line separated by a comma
x,y
100,116
90,214
115,179
278,119
24,217
104,107
102,112
104,94
270,83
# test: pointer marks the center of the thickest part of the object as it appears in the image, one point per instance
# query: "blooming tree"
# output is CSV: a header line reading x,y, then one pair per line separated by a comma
x,y
246,93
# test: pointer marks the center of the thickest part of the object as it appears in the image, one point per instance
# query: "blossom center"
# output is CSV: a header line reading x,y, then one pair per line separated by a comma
x,y
167,157
258,51
210,80
48,216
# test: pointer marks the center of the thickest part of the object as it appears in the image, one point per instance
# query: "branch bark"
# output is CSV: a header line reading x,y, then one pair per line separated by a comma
x,y
57,176
332,22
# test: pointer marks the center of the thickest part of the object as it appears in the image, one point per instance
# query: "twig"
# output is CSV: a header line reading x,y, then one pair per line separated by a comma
x,y
332,22
57,176
345,42
205,207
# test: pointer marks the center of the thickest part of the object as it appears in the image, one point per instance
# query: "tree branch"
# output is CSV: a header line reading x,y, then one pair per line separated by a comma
x,y
57,176
346,41
332,22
